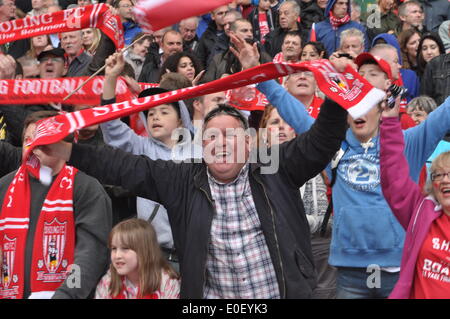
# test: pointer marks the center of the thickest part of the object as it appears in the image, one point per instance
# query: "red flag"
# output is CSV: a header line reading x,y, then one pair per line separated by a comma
x,y
153,15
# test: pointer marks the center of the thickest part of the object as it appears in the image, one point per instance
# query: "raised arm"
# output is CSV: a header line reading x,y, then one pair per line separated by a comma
x,y
399,190
421,140
308,154
115,132
290,109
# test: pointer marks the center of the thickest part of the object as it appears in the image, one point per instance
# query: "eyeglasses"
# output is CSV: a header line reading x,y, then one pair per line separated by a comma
x,y
126,6
52,59
439,176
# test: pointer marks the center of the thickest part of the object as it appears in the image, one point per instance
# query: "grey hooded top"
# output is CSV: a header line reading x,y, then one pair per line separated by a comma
x,y
118,134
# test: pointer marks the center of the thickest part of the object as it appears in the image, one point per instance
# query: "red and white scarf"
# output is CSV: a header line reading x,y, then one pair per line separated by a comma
x,y
43,91
337,22
348,89
92,16
54,240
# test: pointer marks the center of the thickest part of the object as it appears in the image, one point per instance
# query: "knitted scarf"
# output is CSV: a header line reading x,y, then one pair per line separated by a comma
x,y
54,239
337,22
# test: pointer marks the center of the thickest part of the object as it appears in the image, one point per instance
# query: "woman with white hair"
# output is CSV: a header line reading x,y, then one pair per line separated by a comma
x,y
425,262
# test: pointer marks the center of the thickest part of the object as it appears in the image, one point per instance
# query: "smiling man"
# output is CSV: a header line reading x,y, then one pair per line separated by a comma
x,y
239,233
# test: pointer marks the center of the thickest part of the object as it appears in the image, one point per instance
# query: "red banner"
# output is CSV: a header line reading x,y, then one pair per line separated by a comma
x,y
43,91
153,15
92,16
349,89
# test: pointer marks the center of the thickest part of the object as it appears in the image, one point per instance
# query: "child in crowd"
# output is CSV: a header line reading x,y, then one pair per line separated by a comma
x,y
138,269
161,123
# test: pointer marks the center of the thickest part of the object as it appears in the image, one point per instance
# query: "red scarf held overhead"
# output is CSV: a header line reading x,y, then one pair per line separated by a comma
x,y
337,22
92,16
348,89
54,240
43,91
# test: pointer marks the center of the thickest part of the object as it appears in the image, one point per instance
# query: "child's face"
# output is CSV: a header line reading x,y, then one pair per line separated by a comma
x,y
264,5
161,121
124,259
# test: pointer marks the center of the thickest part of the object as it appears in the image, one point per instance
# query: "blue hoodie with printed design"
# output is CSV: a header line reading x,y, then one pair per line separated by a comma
x,y
365,230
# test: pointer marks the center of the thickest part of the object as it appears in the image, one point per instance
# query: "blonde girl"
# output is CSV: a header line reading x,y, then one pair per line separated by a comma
x,y
138,269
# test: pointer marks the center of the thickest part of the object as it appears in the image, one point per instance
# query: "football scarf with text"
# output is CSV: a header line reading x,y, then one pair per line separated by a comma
x,y
54,239
348,89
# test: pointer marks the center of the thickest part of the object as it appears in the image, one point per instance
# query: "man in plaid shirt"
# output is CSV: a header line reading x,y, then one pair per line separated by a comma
x,y
239,230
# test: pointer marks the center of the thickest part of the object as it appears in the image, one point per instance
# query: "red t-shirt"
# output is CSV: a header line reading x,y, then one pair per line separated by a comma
x,y
432,277
263,26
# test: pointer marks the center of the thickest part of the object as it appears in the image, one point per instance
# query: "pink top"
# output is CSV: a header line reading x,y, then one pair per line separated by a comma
x,y
413,210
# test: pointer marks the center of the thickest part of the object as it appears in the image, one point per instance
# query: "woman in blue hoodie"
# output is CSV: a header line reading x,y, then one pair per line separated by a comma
x,y
365,233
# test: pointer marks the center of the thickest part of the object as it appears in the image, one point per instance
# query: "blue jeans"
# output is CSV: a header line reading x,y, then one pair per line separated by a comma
x,y
352,283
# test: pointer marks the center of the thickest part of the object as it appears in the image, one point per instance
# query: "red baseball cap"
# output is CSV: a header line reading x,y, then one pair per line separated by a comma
x,y
383,64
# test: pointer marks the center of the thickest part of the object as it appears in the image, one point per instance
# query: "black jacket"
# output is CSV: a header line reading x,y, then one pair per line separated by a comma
x,y
184,190
92,217
14,117
227,63
310,13
151,68
435,82
274,39
272,21
10,158
190,46
210,44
